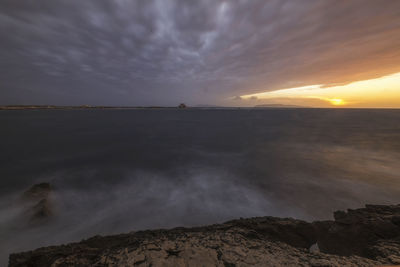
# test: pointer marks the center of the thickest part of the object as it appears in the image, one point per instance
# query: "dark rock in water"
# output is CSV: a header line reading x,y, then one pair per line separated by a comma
x,y
37,192
368,237
41,211
182,105
37,202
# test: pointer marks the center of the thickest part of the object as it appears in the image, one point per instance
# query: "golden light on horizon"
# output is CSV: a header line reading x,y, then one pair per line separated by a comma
x,y
383,92
337,101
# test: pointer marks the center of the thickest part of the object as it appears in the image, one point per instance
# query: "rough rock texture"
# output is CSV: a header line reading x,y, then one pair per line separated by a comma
x,y
363,237
372,232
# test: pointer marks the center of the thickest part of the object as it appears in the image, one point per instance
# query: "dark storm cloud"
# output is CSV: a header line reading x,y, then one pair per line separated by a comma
x,y
163,52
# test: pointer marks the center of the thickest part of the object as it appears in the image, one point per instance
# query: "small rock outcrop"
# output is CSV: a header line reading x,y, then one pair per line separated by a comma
x,y
37,192
362,237
182,105
37,202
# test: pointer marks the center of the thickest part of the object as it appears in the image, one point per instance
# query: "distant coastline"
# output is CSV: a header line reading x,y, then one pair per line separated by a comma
x,y
198,107
29,107
279,106
35,107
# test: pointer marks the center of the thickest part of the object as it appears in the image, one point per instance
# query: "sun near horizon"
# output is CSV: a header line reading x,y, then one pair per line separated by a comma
x,y
337,102
383,92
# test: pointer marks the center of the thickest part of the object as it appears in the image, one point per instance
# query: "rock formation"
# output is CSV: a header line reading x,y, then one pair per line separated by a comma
x,y
182,105
37,192
37,202
372,232
362,237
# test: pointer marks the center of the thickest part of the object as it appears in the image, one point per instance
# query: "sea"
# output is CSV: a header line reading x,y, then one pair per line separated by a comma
x,y
120,170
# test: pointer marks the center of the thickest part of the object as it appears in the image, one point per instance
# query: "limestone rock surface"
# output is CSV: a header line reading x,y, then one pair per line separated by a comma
x,y
362,237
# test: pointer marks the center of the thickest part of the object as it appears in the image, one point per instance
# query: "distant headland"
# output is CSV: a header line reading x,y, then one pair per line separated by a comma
x,y
180,106
23,107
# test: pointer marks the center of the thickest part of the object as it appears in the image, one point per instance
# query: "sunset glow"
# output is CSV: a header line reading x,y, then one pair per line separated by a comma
x,y
337,101
380,92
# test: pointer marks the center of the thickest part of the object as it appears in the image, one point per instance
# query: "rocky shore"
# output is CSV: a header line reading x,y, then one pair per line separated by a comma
x,y
363,237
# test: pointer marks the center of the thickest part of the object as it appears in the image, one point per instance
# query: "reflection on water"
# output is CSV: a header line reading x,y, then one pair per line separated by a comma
x,y
122,170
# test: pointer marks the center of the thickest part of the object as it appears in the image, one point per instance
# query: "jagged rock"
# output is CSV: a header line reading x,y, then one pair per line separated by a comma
x,y
214,247
296,233
41,211
355,232
37,192
386,250
37,203
263,241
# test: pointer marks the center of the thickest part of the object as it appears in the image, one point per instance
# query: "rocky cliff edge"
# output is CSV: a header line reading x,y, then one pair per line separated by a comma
x,y
362,237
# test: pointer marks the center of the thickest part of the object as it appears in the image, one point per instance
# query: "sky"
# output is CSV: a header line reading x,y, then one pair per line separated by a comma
x,y
331,53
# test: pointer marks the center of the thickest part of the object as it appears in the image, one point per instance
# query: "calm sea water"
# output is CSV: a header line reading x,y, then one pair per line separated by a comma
x,y
121,170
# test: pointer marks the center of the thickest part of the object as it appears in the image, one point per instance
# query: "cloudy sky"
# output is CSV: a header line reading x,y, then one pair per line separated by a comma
x,y
163,52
